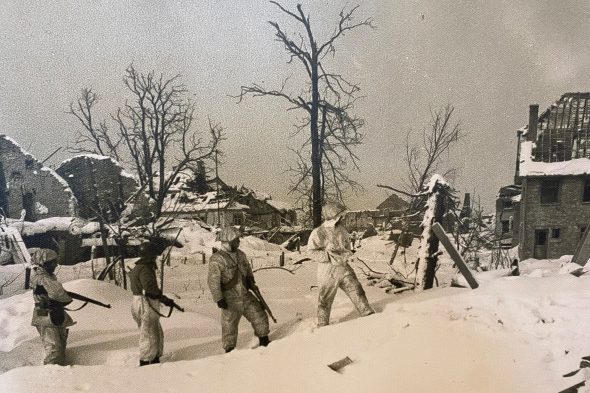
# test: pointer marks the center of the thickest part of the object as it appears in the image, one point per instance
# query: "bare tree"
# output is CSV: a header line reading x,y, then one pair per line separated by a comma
x,y
327,101
155,132
425,159
94,138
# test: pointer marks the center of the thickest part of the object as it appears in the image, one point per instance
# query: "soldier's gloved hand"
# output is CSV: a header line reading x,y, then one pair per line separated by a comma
x,y
250,283
167,301
222,304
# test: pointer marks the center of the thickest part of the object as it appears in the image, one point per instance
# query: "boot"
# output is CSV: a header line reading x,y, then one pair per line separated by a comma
x,y
144,363
156,360
227,350
264,341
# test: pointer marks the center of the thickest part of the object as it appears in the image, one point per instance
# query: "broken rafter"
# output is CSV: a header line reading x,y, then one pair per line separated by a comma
x,y
400,191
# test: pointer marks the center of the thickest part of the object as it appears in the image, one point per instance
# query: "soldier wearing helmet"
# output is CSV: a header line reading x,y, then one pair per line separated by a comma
x,y
230,277
49,316
145,306
329,245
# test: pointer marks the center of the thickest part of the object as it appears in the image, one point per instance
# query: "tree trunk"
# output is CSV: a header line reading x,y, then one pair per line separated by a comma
x,y
428,254
316,159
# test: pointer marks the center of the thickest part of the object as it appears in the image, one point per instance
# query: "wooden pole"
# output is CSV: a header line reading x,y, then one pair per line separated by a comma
x,y
454,254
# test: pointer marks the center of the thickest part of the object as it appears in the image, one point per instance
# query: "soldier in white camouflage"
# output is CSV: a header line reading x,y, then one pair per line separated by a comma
x,y
145,307
230,278
49,316
329,245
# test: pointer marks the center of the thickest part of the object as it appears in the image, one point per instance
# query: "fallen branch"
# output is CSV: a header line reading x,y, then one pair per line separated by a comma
x,y
399,290
292,271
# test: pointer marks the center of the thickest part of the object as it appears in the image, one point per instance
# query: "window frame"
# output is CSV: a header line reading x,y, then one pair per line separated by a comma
x,y
553,185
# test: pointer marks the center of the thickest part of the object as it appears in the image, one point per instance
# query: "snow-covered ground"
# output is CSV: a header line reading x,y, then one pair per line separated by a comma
x,y
512,334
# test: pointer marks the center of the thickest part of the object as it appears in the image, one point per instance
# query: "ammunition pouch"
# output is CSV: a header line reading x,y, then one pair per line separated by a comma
x,y
57,315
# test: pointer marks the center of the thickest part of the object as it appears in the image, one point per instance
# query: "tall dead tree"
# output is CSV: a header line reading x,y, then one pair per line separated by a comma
x,y
327,100
424,159
155,133
428,253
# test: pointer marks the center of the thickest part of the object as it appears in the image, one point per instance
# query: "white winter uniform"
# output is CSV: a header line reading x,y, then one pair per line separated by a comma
x,y
54,335
329,245
144,285
223,266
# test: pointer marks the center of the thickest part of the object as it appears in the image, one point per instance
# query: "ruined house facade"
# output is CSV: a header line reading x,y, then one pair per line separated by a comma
x,y
98,182
553,169
25,184
264,212
507,215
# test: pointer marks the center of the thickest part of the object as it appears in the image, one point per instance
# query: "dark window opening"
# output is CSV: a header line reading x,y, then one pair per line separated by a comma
x,y
505,226
540,237
555,233
549,191
586,196
508,204
238,220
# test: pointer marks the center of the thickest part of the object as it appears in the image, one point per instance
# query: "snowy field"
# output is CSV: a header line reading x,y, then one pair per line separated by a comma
x,y
512,334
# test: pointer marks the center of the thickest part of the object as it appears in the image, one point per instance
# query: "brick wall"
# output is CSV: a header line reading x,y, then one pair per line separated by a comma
x,y
568,214
32,186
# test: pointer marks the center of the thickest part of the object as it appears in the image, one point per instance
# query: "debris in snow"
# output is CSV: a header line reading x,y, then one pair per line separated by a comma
x,y
40,208
338,365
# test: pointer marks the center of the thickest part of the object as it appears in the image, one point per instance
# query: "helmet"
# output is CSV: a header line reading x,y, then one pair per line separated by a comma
x,y
332,210
41,255
228,234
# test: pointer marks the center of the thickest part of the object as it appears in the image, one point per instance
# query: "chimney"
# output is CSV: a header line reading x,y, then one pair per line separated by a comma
x,y
533,120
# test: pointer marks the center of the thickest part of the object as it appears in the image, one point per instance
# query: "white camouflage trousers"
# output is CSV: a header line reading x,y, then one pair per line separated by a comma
x,y
151,335
54,341
330,278
250,308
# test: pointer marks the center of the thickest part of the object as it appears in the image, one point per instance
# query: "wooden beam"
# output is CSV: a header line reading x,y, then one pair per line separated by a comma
x,y
463,268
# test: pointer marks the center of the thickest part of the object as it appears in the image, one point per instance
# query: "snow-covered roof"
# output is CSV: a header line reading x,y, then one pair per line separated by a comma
x,y
279,205
528,167
74,225
561,147
204,202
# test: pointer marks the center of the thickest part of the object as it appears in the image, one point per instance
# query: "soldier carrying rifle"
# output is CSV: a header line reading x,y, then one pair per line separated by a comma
x,y
147,297
49,316
230,280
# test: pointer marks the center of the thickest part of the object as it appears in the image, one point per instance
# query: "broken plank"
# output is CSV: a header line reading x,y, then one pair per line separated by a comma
x,y
338,365
454,254
582,253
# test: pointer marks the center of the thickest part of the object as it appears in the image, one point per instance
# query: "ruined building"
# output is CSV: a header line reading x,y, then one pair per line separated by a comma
x,y
25,184
99,183
553,169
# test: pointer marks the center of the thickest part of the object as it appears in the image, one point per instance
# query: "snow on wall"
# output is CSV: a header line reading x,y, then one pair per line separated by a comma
x,y
528,167
99,157
25,175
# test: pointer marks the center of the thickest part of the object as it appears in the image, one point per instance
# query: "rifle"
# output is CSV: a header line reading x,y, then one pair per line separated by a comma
x,y
172,304
258,295
83,298
165,300
40,290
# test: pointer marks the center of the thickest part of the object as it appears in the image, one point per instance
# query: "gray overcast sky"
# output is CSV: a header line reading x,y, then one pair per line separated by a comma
x,y
490,59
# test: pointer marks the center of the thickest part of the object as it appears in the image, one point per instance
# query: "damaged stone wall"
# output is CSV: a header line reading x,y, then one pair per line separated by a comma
x,y
30,186
97,179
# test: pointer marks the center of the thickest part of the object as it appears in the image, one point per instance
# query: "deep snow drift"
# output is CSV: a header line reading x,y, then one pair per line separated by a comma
x,y
512,334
